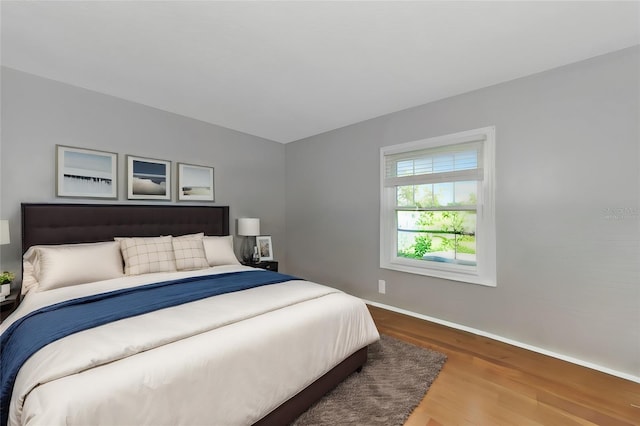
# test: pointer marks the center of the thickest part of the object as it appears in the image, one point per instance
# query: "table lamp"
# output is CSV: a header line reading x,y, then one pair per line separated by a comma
x,y
248,227
4,232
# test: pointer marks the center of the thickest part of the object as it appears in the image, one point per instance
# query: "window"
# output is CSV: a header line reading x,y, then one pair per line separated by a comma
x,y
437,207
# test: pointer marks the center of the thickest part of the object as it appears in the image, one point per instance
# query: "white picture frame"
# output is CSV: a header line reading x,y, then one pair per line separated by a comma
x,y
195,183
86,173
265,247
148,179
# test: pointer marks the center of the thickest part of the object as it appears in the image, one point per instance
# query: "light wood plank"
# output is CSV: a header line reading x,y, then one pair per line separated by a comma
x,y
486,382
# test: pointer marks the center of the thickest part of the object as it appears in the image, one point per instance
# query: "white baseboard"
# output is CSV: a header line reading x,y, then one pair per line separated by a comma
x,y
507,341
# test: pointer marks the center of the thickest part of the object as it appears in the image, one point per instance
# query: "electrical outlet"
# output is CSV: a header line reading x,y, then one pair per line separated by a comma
x,y
382,286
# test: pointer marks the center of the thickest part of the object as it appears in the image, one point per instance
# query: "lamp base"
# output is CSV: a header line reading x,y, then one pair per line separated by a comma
x,y
246,251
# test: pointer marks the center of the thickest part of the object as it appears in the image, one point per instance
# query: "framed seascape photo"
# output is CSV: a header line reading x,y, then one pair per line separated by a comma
x,y
195,183
265,249
86,173
148,179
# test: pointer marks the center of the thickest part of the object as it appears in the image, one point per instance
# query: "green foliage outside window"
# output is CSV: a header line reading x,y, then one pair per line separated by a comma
x,y
445,232
422,245
439,231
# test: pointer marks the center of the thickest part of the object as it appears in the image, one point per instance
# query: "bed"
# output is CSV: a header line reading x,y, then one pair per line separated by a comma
x,y
259,355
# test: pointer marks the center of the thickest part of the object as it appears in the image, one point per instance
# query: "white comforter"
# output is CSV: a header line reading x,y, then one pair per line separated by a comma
x,y
226,360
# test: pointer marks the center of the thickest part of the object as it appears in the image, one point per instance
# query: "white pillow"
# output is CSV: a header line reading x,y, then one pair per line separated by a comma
x,y
50,267
29,266
219,251
143,255
189,252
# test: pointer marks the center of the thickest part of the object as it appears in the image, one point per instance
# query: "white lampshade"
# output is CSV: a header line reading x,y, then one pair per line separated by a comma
x,y
4,232
248,226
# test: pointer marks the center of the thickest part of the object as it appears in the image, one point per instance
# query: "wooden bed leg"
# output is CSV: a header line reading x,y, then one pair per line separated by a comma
x,y
359,369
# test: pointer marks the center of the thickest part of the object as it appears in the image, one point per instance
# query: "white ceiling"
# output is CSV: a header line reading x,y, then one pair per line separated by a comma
x,y
289,70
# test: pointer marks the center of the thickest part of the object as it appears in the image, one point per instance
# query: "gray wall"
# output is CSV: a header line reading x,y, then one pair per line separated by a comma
x,y
568,159
38,113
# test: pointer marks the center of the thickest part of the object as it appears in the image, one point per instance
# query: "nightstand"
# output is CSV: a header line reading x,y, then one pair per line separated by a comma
x,y
9,304
269,265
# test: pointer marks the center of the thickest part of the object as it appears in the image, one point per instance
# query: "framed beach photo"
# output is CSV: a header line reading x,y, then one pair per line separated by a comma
x,y
265,249
148,179
86,173
195,183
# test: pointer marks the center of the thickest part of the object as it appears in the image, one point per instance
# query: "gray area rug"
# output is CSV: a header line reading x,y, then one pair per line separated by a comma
x,y
392,383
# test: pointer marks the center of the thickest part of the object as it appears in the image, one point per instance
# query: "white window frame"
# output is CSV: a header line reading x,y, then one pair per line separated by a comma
x,y
484,272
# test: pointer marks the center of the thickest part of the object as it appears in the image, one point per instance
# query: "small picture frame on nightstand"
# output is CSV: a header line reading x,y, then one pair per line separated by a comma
x,y
265,248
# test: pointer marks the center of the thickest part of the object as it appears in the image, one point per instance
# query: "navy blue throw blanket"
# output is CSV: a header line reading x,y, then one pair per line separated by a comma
x,y
46,325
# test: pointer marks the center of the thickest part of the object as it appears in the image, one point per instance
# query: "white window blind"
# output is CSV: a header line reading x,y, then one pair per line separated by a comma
x,y
451,163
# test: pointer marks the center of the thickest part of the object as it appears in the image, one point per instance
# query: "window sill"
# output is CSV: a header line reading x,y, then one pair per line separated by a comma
x,y
460,276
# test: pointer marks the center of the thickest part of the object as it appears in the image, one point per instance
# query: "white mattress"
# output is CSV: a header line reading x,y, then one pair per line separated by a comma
x,y
225,360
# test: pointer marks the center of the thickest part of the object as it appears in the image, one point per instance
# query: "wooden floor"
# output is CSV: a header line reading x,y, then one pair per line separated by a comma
x,y
489,383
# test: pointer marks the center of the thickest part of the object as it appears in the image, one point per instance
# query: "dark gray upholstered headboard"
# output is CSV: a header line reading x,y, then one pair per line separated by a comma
x,y
84,223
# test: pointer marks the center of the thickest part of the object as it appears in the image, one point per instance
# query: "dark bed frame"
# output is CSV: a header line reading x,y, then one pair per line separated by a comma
x,y
84,223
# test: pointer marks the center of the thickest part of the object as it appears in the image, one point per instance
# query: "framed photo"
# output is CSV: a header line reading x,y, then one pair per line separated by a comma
x,y
148,179
265,249
86,173
195,183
